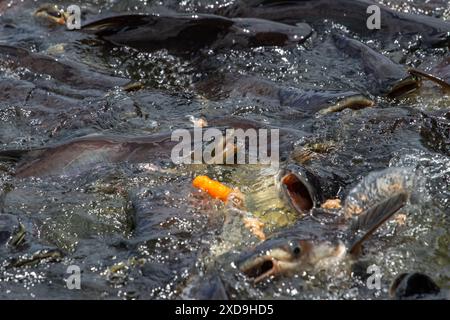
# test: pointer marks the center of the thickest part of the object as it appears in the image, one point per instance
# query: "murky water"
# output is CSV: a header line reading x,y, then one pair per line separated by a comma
x,y
140,230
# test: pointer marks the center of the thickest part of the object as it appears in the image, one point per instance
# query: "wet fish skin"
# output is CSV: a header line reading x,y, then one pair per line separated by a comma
x,y
301,188
211,288
372,218
67,72
320,242
251,32
389,78
439,74
304,187
433,32
435,132
154,32
351,156
80,154
309,246
306,246
414,286
41,97
308,102
182,33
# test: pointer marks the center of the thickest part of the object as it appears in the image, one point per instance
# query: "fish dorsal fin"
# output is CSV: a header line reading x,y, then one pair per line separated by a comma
x,y
371,219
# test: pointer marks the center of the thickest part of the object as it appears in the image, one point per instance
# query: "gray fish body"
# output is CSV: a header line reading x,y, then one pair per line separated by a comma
x,y
350,13
312,101
324,240
363,142
182,33
304,188
76,75
308,102
388,77
83,154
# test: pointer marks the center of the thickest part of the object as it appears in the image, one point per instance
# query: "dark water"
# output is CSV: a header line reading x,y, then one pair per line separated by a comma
x,y
140,230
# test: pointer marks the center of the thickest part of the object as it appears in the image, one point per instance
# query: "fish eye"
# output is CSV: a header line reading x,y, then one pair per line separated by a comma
x,y
297,250
55,14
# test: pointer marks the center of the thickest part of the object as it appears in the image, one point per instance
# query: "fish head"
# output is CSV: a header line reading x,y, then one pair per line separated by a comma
x,y
284,256
51,13
299,187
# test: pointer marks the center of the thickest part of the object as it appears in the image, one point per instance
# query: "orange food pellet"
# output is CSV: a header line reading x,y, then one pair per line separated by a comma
x,y
214,188
332,204
256,227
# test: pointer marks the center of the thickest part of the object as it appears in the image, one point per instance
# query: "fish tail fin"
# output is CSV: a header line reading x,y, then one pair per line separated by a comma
x,y
371,219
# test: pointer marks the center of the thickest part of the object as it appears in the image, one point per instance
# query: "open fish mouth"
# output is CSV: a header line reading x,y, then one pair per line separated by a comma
x,y
284,257
404,87
356,102
297,191
274,263
261,268
52,14
298,187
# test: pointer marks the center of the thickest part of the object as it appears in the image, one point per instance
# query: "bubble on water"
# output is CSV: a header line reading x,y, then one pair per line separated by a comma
x,y
434,170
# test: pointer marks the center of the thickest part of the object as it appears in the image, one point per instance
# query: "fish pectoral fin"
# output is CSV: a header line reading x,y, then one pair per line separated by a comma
x,y
418,73
371,219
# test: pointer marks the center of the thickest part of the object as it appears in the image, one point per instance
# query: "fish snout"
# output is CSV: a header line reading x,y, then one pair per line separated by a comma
x,y
51,13
274,259
277,258
299,187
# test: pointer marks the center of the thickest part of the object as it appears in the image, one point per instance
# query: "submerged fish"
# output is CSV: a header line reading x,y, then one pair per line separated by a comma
x,y
51,13
56,15
306,101
72,73
183,33
351,145
389,78
81,154
411,28
322,242
415,286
